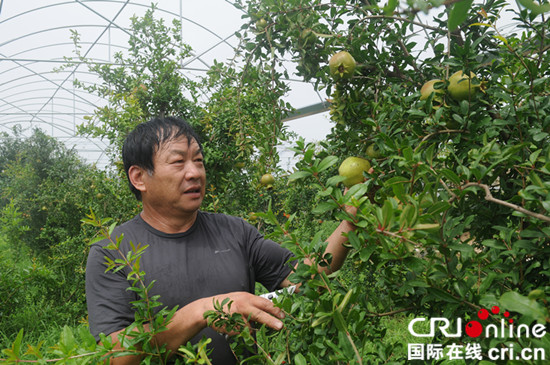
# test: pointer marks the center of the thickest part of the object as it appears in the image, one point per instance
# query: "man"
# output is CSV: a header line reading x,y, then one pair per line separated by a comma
x,y
194,257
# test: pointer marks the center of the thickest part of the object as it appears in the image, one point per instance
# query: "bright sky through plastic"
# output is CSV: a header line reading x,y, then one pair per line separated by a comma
x,y
36,38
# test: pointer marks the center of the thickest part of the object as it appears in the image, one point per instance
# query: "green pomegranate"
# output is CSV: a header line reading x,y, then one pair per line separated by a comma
x,y
267,180
342,65
261,24
352,169
373,151
461,86
428,88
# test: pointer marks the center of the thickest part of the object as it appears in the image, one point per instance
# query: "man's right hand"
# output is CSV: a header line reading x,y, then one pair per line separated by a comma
x,y
252,307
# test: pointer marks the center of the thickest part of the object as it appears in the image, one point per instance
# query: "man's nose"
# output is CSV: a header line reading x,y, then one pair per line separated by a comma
x,y
192,171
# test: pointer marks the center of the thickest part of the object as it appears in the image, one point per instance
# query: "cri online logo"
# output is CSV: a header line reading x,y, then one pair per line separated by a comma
x,y
475,329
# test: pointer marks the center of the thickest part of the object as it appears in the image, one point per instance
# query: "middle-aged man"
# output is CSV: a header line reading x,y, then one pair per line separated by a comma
x,y
193,257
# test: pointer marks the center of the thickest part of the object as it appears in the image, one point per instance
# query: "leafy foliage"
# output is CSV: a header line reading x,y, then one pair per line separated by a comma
x,y
45,190
450,225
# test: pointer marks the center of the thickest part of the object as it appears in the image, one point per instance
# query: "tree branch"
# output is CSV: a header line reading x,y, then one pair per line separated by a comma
x,y
489,197
389,313
428,136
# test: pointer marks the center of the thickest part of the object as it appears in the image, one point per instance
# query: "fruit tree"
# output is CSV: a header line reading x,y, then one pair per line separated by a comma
x,y
458,220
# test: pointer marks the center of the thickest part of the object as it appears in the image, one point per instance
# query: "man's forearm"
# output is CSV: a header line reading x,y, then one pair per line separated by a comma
x,y
336,247
189,320
186,323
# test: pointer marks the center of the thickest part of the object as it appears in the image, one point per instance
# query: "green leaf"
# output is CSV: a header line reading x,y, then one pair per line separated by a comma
x,y
536,294
451,175
426,226
354,241
513,301
327,162
536,180
356,191
112,228
414,264
320,320
462,247
481,25
299,359
390,7
299,175
417,283
339,321
335,180
407,217
442,295
345,301
387,214
366,252
67,340
15,351
493,244
313,359
408,153
458,14
324,207
501,38
397,183
316,283
534,7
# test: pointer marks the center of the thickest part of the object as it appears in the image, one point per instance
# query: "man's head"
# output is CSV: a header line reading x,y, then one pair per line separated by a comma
x,y
147,139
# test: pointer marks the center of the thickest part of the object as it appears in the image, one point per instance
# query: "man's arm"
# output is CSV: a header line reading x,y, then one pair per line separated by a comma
x,y
189,320
335,246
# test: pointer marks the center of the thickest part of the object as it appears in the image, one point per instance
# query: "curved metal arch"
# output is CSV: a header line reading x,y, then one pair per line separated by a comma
x,y
100,144
36,114
58,86
35,9
64,44
170,13
81,2
72,104
94,141
112,1
33,73
17,107
51,30
55,126
53,81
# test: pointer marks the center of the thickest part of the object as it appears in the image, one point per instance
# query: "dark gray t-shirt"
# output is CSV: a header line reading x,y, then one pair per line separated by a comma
x,y
218,254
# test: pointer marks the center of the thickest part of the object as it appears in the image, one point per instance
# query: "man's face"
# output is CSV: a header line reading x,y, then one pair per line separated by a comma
x,y
177,186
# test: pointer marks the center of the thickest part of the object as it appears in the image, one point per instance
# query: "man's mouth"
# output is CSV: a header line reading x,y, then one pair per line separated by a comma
x,y
193,190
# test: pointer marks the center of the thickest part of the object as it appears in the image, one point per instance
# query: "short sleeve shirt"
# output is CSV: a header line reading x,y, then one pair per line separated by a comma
x,y
218,254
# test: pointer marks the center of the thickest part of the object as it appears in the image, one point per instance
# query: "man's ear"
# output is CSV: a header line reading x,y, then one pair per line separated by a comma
x,y
136,175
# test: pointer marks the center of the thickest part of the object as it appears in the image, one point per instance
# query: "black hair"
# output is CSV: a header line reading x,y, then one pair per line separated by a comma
x,y
144,141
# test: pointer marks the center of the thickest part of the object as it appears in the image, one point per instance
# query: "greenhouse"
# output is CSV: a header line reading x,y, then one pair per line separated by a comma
x,y
275,182
38,92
